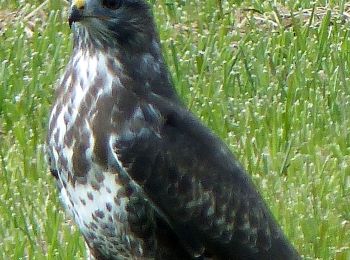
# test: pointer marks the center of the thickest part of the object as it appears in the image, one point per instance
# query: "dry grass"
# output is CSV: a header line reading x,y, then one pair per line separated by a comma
x,y
282,17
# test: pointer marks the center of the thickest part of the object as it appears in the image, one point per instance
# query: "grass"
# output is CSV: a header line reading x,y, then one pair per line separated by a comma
x,y
274,86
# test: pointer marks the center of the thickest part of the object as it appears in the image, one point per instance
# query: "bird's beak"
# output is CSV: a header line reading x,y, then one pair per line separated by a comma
x,y
76,11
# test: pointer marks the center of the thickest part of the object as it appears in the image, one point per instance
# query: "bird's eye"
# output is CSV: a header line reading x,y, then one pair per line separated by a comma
x,y
112,4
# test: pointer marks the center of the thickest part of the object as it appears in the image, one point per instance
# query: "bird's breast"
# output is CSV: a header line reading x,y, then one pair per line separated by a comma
x,y
79,145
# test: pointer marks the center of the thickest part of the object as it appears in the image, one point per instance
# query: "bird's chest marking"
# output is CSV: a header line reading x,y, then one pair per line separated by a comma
x,y
71,133
91,192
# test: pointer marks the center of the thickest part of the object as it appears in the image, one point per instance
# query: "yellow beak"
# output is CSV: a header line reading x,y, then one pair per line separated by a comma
x,y
79,3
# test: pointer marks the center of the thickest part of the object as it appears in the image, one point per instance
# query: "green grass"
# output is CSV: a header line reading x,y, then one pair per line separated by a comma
x,y
279,97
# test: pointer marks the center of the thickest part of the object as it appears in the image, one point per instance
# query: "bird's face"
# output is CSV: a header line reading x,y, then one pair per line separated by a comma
x,y
122,22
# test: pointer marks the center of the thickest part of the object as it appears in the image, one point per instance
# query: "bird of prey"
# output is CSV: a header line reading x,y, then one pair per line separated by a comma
x,y
140,175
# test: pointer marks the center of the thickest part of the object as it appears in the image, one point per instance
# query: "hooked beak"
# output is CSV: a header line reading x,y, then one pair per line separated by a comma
x,y
76,11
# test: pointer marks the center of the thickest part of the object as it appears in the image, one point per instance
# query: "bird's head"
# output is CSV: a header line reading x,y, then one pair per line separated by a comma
x,y
113,22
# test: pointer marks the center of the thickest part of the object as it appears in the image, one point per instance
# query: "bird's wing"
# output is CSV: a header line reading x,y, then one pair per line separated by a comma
x,y
196,185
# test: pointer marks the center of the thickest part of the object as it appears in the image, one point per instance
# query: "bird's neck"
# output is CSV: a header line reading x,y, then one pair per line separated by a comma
x,y
143,67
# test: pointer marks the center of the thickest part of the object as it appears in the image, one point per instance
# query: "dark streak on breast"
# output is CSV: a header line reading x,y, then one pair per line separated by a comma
x,y
80,163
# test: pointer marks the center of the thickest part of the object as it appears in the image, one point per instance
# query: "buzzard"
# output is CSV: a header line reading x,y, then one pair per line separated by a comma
x,y
140,175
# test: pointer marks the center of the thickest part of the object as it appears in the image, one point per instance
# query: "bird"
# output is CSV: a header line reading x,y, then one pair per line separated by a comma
x,y
139,174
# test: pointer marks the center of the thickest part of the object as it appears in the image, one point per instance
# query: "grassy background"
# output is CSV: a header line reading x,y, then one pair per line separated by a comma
x,y
275,87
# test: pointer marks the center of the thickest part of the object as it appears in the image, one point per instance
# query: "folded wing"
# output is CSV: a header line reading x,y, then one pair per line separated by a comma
x,y
199,189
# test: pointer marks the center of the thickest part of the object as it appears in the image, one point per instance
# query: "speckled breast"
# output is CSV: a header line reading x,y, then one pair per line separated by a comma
x,y
79,148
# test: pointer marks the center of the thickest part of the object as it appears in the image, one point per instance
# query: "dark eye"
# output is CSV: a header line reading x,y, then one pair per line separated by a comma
x,y
112,4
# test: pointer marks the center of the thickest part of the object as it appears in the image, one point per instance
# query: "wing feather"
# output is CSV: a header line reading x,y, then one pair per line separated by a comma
x,y
193,180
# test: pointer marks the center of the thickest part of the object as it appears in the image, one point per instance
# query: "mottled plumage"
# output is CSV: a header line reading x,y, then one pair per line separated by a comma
x,y
141,176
